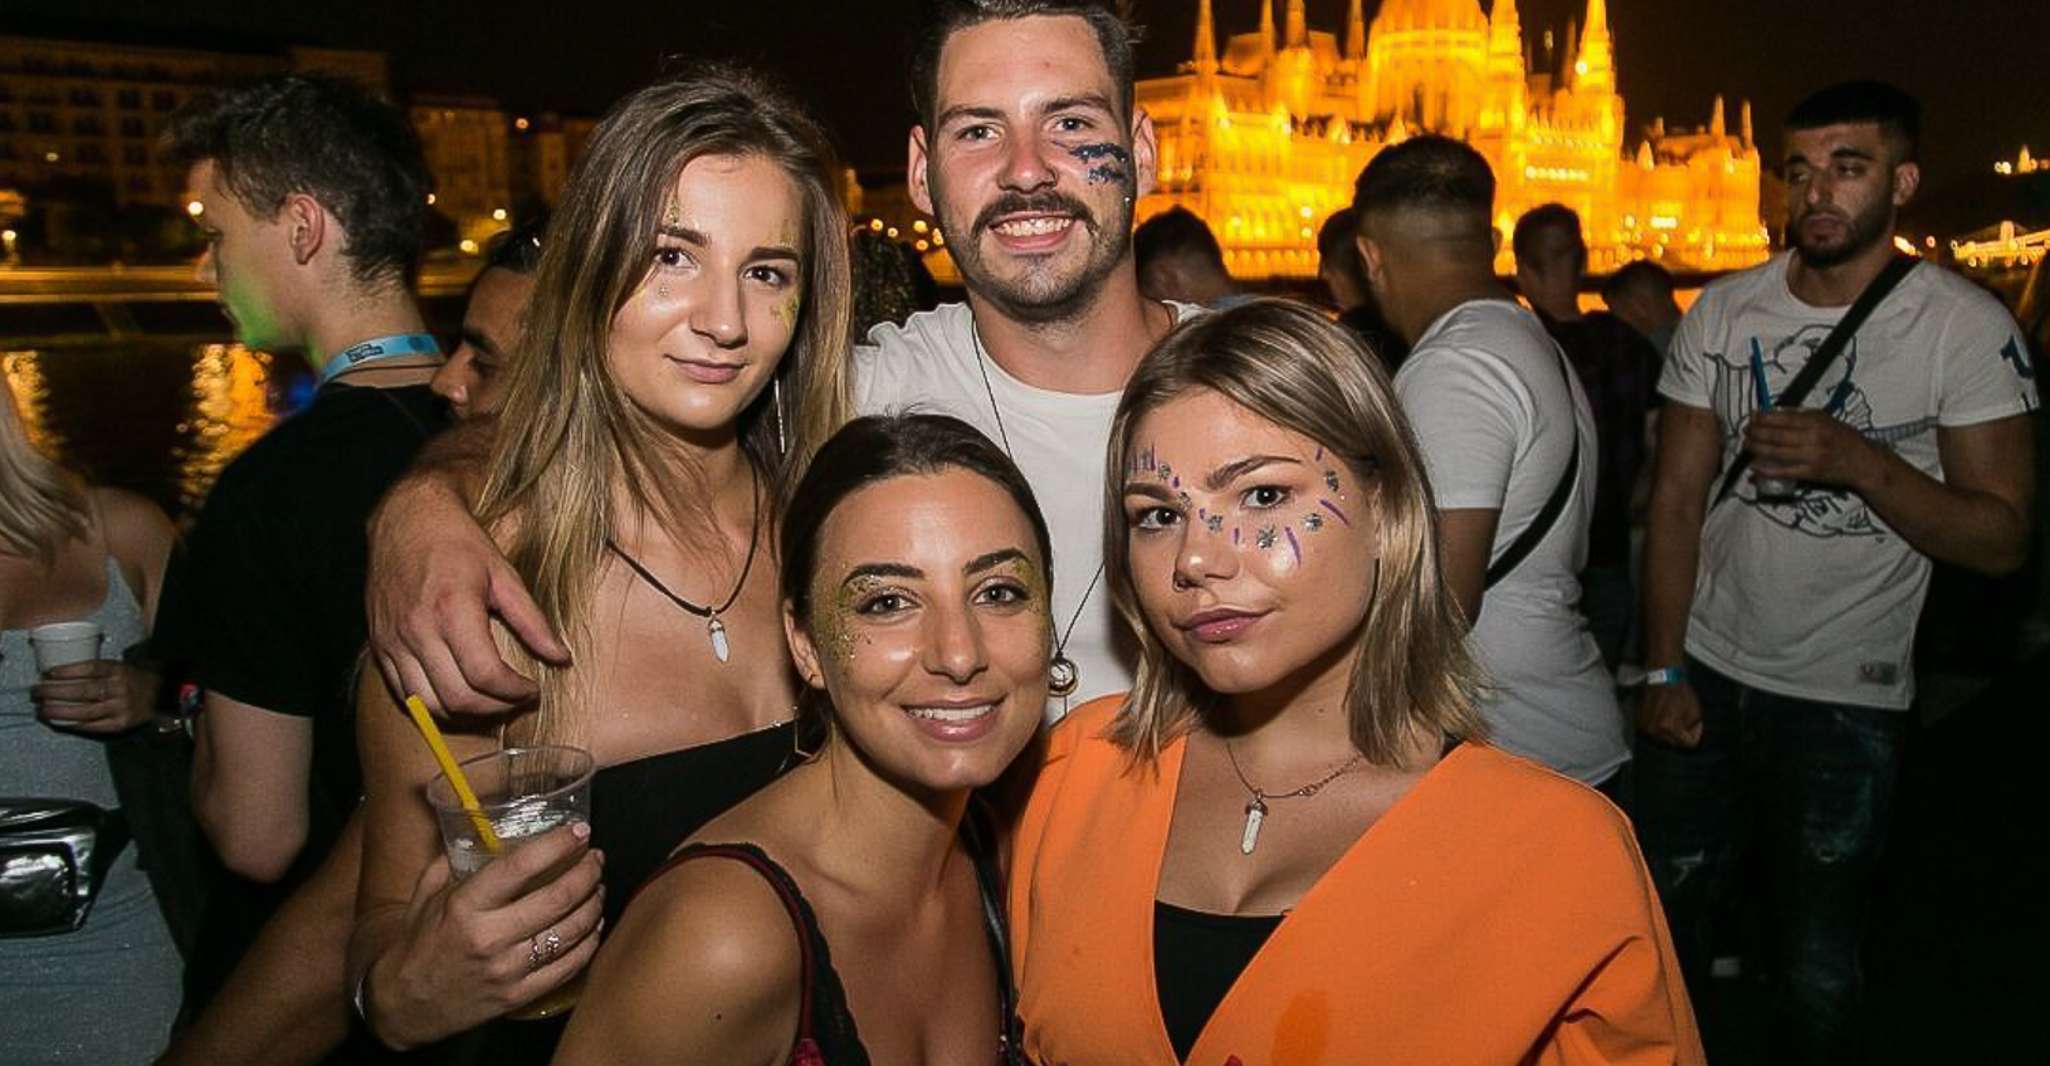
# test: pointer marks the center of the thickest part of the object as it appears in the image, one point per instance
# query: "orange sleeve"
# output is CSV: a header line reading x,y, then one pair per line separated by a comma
x,y
1633,1010
1030,826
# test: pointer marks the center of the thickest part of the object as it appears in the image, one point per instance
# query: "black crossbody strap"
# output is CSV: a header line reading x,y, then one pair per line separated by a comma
x,y
1527,541
1832,346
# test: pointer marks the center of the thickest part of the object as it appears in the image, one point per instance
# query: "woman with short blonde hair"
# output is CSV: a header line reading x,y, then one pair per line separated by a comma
x,y
1290,843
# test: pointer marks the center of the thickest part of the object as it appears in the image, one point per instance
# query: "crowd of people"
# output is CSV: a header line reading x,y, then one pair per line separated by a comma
x,y
1113,667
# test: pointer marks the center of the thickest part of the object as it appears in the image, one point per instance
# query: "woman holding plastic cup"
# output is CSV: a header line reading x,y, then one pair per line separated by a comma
x,y
683,350
850,912
80,572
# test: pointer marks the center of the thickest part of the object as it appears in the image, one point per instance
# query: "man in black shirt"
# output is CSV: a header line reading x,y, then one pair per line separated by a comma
x,y
1619,370
310,194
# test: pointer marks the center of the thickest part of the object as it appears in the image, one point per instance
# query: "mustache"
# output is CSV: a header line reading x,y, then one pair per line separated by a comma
x,y
1048,202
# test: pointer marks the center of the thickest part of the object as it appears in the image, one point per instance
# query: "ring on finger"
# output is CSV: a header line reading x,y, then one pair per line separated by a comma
x,y
542,948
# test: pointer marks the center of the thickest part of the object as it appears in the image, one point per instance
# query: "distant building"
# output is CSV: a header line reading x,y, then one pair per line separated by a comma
x,y
465,140
74,109
1265,139
93,111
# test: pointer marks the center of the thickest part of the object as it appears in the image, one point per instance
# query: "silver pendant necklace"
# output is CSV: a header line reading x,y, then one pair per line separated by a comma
x,y
715,629
1256,808
1062,676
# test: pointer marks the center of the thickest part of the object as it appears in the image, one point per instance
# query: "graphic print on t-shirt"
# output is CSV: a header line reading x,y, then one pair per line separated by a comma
x,y
1816,510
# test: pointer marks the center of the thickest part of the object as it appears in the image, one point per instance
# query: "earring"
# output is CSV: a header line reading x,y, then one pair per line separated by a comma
x,y
776,397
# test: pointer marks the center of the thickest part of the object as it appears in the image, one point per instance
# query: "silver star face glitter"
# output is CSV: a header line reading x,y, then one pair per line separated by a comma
x,y
1265,538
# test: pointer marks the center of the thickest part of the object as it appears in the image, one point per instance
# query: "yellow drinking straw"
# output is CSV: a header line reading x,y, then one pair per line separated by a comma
x,y
454,773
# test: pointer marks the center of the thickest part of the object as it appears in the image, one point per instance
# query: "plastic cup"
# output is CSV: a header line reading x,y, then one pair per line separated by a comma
x,y
64,643
1775,489
523,793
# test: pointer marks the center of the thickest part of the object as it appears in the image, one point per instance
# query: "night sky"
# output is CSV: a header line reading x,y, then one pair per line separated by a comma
x,y
1982,67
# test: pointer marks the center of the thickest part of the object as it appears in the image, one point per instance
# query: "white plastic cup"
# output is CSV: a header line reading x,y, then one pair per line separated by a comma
x,y
64,643
1774,489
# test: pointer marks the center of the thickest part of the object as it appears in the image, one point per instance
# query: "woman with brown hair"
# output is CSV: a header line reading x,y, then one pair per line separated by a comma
x,y
1289,843
851,912
683,353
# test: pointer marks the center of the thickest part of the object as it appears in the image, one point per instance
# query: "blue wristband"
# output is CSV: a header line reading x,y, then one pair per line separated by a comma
x,y
1665,675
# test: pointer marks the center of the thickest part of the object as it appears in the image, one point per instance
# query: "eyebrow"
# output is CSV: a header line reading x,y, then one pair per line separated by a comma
x,y
1215,481
1844,152
476,338
1237,468
758,252
989,560
1063,103
881,570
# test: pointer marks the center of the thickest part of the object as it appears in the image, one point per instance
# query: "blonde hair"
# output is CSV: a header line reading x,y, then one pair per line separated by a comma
x,y
42,507
1411,676
568,436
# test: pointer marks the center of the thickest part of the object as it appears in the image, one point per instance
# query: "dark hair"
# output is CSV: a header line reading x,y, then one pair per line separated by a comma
x,y
1642,274
518,249
1898,115
1175,231
1428,173
941,19
1335,248
876,448
324,137
1541,217
891,282
515,250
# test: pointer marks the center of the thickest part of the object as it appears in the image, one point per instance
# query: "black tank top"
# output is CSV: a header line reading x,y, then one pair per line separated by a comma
x,y
826,1033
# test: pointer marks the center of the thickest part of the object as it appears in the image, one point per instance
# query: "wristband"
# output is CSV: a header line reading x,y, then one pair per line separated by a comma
x,y
1665,675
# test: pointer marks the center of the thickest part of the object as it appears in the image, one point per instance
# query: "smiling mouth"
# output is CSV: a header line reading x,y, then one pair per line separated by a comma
x,y
1219,626
708,373
1034,226
952,713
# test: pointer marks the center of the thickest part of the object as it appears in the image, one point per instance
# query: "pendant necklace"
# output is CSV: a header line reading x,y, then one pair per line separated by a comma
x,y
1256,809
1062,676
715,629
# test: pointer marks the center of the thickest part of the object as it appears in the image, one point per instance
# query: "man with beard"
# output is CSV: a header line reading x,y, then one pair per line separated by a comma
x,y
1779,628
1029,151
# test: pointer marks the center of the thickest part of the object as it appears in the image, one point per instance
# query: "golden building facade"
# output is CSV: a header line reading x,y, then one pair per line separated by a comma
x,y
1264,138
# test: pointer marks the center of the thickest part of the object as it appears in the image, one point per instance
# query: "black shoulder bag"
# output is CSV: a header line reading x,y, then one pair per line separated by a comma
x,y
1832,346
1527,541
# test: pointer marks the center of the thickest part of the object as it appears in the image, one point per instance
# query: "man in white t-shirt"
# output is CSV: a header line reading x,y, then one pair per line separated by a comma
x,y
1030,152
1032,169
1502,422
1780,624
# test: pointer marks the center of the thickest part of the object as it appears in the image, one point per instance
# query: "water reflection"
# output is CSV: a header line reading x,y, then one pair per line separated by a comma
x,y
160,417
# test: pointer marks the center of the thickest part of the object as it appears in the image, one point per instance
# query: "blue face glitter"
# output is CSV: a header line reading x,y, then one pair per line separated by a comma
x,y
1108,161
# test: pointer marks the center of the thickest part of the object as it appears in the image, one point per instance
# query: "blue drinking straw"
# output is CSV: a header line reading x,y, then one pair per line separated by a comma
x,y
1761,391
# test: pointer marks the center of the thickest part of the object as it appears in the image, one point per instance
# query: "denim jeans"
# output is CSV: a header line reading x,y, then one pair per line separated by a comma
x,y
1803,787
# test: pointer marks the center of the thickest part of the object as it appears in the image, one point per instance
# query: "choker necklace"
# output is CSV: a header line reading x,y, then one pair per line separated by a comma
x,y
1062,676
1256,810
714,628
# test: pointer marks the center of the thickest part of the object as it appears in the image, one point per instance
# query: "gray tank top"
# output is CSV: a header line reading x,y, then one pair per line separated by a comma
x,y
36,760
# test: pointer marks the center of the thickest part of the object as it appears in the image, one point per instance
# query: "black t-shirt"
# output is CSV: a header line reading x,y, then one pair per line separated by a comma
x,y
265,606
1619,370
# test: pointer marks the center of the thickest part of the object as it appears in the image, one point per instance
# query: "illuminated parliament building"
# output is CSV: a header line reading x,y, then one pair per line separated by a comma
x,y
1263,139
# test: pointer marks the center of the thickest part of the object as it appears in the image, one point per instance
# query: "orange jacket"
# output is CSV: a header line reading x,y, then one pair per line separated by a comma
x,y
1498,914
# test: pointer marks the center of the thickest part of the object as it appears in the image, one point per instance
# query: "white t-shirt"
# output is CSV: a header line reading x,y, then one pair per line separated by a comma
x,y
1816,597
1058,439
1489,394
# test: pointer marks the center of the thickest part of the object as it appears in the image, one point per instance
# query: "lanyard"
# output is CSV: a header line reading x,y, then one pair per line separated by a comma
x,y
376,349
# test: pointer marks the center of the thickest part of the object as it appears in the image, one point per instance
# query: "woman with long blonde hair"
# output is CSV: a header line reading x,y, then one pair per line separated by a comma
x,y
1290,842
73,552
683,352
